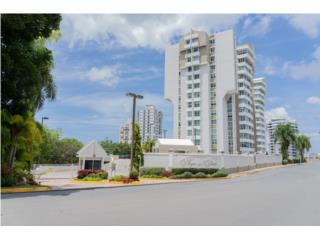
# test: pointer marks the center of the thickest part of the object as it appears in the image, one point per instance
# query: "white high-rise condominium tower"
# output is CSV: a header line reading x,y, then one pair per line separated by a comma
x,y
274,148
259,98
125,134
246,68
150,120
209,81
201,83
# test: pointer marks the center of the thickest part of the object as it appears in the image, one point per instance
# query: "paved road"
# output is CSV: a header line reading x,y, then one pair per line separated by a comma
x,y
284,196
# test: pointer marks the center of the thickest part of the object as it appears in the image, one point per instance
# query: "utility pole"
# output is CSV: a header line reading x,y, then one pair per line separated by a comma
x,y
135,97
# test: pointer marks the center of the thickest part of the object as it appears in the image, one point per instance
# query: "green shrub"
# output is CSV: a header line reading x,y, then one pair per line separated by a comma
x,y
183,175
178,171
152,176
151,171
118,178
200,175
103,174
220,173
93,177
284,162
134,174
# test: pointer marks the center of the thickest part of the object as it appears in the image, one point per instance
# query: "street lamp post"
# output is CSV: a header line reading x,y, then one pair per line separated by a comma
x,y
135,97
43,118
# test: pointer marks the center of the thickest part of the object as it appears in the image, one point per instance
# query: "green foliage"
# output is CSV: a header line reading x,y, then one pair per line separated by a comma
x,y
148,145
121,149
26,83
138,154
220,173
302,143
200,175
151,171
284,162
118,178
55,150
285,135
26,66
134,174
184,175
95,177
152,176
20,139
177,171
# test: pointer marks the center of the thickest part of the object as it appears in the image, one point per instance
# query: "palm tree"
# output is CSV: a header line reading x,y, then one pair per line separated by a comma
x,y
285,135
302,143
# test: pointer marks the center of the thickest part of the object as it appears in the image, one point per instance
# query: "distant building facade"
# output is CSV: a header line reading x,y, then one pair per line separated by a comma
x,y
150,121
125,134
260,88
274,148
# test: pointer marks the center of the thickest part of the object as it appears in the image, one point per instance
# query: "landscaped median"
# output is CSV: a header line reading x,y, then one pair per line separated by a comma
x,y
24,189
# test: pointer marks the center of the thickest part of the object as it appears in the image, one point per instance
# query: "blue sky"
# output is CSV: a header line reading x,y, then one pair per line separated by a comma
x,y
101,57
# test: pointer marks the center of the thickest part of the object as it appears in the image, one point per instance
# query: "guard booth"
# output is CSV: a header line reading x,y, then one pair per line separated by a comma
x,y
92,156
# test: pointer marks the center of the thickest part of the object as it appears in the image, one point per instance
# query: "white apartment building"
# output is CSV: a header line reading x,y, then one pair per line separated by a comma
x,y
246,69
201,83
209,81
274,148
260,88
150,120
125,134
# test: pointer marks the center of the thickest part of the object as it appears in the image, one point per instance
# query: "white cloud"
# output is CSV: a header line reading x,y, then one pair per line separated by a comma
x,y
114,108
313,100
139,30
107,75
279,112
307,23
258,25
305,70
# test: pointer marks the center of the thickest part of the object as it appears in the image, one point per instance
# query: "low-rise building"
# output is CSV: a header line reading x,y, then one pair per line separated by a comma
x,y
93,156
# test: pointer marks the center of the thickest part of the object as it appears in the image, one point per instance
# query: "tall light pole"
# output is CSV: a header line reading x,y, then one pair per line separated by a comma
x,y
43,118
135,97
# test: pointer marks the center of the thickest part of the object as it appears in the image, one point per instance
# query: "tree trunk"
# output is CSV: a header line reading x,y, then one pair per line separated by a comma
x,y
13,150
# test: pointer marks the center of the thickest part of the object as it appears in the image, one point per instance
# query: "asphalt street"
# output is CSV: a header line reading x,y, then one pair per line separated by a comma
x,y
283,196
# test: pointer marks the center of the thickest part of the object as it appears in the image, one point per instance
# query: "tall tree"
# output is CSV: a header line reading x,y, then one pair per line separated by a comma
x,y
285,135
302,143
55,150
25,73
138,153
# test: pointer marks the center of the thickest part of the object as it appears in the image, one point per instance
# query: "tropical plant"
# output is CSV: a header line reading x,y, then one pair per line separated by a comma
x,y
148,145
302,143
138,154
284,135
114,148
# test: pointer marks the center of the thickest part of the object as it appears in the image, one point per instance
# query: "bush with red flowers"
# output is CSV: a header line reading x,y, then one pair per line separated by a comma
x,y
166,173
85,172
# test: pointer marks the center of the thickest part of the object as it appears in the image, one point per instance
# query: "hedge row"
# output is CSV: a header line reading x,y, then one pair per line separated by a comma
x,y
178,171
157,171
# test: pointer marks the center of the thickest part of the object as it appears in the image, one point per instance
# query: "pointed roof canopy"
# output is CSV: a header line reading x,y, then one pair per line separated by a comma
x,y
92,149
